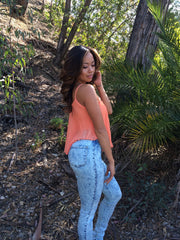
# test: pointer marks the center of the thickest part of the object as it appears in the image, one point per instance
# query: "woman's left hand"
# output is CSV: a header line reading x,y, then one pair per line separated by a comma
x,y
111,169
98,80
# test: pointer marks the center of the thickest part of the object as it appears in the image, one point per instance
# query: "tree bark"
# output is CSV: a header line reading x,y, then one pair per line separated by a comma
x,y
62,36
143,40
50,12
64,40
42,7
18,7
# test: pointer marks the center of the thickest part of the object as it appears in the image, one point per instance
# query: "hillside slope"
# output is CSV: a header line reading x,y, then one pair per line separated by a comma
x,y
41,175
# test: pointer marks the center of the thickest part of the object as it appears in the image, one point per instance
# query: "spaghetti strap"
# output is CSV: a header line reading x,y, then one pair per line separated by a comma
x,y
75,93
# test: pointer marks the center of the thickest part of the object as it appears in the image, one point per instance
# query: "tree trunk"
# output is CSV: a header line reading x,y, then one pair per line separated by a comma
x,y
42,7
64,40
50,12
18,7
62,36
143,40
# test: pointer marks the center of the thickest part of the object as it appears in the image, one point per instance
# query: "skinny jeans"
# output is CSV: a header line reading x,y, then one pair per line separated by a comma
x,y
86,161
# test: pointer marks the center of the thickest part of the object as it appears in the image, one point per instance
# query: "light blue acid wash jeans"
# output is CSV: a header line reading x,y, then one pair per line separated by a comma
x,y
89,168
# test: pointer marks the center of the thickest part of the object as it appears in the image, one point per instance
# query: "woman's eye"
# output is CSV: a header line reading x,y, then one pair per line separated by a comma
x,y
85,67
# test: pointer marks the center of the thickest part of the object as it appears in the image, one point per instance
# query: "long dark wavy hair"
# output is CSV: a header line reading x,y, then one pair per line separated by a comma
x,y
71,70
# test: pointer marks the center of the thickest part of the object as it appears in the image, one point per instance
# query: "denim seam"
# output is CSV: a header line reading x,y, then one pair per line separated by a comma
x,y
95,190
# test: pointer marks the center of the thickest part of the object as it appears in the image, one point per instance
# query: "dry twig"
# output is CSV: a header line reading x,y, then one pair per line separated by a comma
x,y
37,233
133,207
47,185
177,195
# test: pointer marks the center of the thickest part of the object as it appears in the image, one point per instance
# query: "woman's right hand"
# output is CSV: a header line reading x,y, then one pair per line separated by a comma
x,y
98,80
111,169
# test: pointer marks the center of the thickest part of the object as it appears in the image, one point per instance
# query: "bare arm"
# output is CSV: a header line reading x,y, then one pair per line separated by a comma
x,y
88,97
102,93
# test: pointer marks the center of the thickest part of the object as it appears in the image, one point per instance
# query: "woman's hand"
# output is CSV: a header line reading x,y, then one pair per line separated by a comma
x,y
98,80
99,85
111,169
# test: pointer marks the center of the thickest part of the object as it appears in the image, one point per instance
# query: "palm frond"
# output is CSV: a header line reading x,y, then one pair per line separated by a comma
x,y
147,105
152,132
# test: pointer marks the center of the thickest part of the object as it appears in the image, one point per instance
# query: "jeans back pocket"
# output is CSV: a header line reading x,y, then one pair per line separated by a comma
x,y
78,156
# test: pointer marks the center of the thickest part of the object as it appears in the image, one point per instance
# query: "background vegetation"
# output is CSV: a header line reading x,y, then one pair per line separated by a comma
x,y
146,119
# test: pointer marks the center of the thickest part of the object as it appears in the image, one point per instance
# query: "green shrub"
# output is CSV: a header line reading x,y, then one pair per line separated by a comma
x,y
13,67
147,106
58,124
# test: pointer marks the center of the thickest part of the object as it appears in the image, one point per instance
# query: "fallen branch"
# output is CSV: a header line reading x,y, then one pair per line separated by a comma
x,y
59,199
130,210
177,195
37,233
49,186
118,166
12,161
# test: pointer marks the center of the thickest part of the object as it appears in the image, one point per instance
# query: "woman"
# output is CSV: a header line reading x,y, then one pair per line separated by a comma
x,y
88,135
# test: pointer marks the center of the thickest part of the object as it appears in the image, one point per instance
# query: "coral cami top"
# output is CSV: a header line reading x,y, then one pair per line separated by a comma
x,y
80,125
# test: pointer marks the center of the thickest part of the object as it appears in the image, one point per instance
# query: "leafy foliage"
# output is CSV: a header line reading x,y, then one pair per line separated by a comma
x,y
54,15
59,124
106,26
147,106
38,140
13,67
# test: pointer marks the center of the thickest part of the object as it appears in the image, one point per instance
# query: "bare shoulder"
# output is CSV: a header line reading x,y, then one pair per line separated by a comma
x,y
88,98
87,89
85,93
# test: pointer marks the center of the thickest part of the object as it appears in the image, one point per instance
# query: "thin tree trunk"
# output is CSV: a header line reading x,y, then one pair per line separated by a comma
x,y
17,11
42,7
143,40
63,44
62,36
50,13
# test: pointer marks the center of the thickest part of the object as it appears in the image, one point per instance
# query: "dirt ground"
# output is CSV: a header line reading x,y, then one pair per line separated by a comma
x,y
40,186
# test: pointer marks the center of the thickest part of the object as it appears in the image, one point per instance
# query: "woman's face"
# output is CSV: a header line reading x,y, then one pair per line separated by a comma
x,y
88,69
